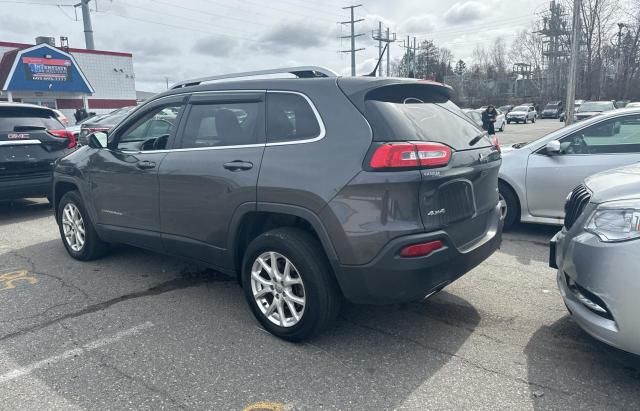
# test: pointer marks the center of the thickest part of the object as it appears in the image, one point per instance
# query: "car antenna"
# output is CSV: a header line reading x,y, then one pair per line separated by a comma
x,y
375,69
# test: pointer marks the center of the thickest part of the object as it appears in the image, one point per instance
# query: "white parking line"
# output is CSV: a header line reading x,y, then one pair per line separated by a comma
x,y
26,370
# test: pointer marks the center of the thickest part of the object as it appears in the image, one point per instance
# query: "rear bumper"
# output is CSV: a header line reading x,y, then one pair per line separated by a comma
x,y
29,186
390,278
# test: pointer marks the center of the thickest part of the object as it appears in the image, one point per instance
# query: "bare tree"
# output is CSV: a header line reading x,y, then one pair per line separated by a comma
x,y
498,56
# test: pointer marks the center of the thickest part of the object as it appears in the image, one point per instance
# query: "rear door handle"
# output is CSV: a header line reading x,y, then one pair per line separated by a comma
x,y
238,165
145,165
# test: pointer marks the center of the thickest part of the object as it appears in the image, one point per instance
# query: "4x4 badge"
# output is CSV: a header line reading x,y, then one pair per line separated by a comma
x,y
436,212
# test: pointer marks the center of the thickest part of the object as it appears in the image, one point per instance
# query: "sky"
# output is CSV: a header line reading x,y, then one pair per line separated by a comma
x,y
181,39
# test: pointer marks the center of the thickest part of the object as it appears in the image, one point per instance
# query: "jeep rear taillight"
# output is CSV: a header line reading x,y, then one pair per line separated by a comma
x,y
403,155
64,134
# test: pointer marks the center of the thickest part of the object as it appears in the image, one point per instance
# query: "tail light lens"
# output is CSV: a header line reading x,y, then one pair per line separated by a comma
x,y
496,143
64,134
402,155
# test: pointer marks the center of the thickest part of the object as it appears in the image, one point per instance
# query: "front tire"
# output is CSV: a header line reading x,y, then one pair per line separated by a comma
x,y
77,230
289,285
509,205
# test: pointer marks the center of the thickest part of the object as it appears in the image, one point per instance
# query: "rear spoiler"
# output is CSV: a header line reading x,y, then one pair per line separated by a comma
x,y
361,89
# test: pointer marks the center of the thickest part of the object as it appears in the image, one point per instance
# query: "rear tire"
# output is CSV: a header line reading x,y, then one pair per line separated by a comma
x,y
308,268
83,246
510,205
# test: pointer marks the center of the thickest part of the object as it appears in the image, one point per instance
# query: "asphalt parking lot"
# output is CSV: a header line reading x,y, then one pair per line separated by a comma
x,y
518,133
137,330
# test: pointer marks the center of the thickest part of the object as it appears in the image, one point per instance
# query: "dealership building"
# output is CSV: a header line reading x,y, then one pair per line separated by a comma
x,y
66,78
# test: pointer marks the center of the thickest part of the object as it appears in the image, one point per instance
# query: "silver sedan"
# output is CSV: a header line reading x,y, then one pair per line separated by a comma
x,y
596,255
535,177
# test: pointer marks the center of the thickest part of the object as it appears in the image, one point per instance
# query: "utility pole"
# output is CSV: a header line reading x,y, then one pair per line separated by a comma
x,y
353,36
86,19
383,39
379,38
389,40
621,26
573,64
415,54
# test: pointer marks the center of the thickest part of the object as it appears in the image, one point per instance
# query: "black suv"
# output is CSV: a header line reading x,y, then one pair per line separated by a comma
x,y
31,140
308,189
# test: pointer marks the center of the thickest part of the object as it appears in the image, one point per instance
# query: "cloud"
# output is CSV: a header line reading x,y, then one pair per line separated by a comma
x,y
291,36
214,46
422,23
466,12
149,49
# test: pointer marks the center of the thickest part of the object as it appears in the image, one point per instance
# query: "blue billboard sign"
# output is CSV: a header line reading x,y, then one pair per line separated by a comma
x,y
45,68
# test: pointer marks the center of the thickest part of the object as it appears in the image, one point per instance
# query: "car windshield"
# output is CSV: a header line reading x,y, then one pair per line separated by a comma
x,y
503,108
595,106
552,105
521,108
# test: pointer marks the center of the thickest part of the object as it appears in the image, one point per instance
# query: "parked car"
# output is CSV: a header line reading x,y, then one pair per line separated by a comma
x,y
576,106
553,109
505,109
536,177
633,105
591,108
76,128
101,123
475,116
596,255
61,117
522,114
407,201
31,140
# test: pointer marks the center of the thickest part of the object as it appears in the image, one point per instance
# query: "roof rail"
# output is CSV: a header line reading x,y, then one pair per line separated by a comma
x,y
300,72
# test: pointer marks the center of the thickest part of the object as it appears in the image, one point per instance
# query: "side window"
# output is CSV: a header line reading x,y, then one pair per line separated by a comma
x,y
614,136
152,131
289,118
223,124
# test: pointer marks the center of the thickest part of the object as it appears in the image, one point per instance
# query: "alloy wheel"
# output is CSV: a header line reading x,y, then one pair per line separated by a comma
x,y
73,227
278,289
503,206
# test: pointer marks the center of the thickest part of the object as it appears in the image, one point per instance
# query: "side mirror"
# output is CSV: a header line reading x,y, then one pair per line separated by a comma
x,y
97,140
553,147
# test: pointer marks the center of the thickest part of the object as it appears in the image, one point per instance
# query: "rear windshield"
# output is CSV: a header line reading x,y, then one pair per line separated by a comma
x,y
552,105
415,120
12,117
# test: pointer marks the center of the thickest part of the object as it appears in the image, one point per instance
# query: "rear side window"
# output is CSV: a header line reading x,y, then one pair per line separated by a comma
x,y
12,117
412,119
290,118
223,124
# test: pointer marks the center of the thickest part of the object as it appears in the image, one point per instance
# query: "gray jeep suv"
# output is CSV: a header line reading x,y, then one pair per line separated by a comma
x,y
308,189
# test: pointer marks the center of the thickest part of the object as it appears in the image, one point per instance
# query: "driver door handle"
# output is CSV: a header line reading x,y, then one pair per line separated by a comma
x,y
238,165
145,165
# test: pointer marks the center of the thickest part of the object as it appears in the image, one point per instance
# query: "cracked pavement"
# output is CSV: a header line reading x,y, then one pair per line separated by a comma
x,y
499,338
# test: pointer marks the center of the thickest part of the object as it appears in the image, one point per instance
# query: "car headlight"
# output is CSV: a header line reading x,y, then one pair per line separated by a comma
x,y
616,221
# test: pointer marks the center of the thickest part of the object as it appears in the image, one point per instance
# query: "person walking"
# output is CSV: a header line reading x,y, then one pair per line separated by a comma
x,y
489,117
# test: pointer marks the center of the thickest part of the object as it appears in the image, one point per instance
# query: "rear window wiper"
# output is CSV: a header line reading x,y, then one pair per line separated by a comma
x,y
475,140
28,128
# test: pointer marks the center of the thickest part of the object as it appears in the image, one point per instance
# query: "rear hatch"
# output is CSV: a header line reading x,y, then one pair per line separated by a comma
x,y
31,139
458,163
